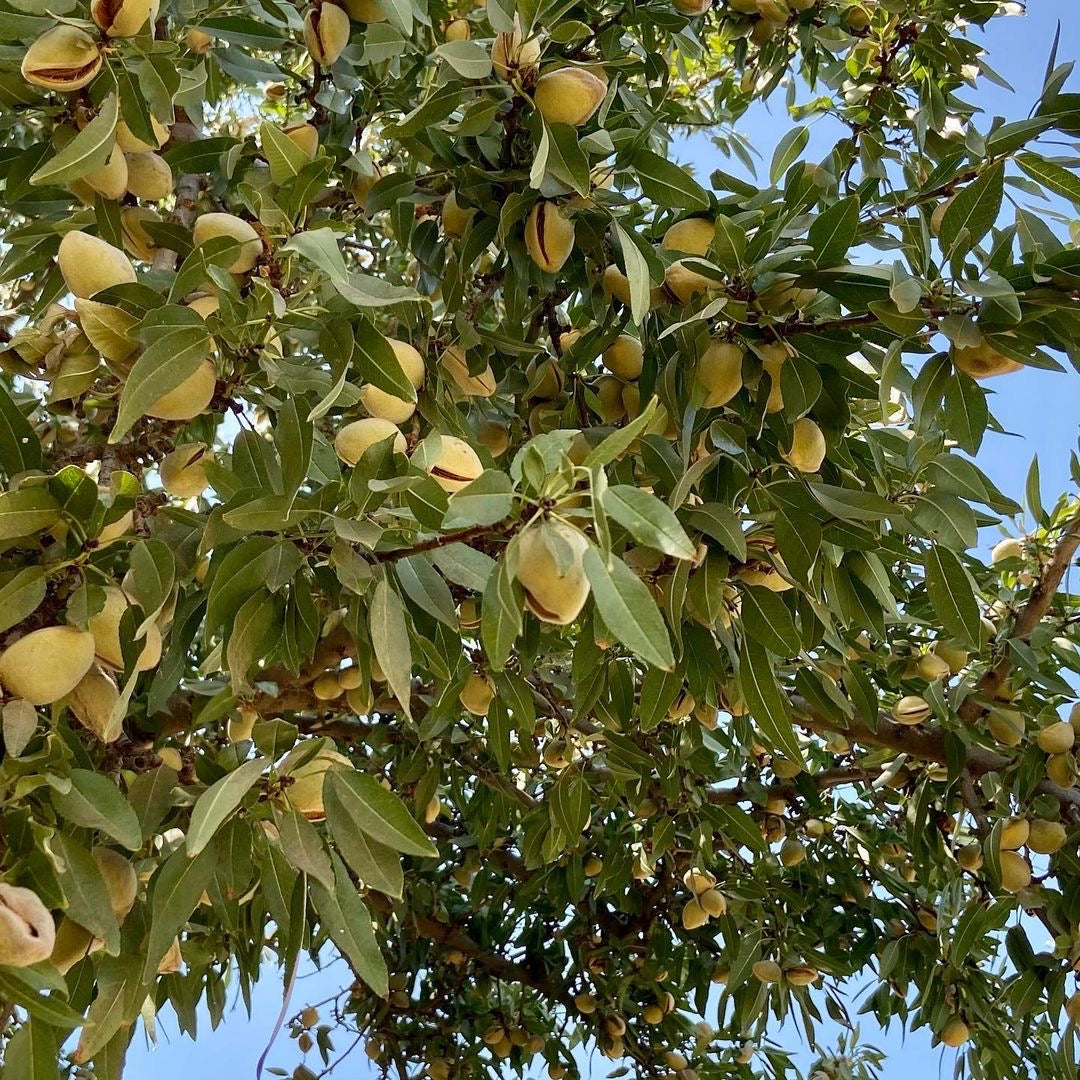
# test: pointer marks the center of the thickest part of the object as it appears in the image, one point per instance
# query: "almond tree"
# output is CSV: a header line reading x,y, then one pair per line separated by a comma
x,y
439,529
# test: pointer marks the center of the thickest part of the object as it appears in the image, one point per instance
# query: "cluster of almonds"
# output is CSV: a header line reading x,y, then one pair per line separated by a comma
x,y
707,901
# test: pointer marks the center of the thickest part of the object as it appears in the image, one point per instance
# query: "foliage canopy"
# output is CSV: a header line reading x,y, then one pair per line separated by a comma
x,y
439,529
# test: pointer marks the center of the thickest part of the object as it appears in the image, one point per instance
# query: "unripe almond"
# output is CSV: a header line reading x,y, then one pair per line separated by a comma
x,y
970,857
911,709
585,1004
1006,725
305,136
719,371
568,95
108,329
593,866
624,357
956,656
183,471
683,284
305,794
132,145
71,944
714,902
510,56
64,58
1061,769
125,18
1057,738
190,398
1046,837
198,41
88,264
46,665
933,667
93,701
551,571
366,11
458,30
326,33
455,217
1015,871
792,852
208,226
477,694
1009,548
955,1032
27,932
110,180
1072,1008
121,881
1014,833
694,915
802,975
767,971
457,465
691,236
807,450
354,439
698,881
549,237
104,625
136,239
386,406
455,366
149,177
983,361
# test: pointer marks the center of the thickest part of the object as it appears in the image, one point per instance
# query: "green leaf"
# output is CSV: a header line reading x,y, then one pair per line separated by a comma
x,y
1057,178
32,1052
218,802
348,923
24,987
377,812
85,890
850,504
767,703
285,158
767,620
302,844
951,594
20,594
628,609
177,341
788,151
501,613
667,184
468,58
376,865
973,211
648,520
390,639
153,572
27,511
95,802
618,442
89,150
377,363
487,500
175,892
20,448
637,273
833,232
254,630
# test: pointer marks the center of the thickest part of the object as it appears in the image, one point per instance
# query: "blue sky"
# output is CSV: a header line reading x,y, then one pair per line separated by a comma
x,y
1040,407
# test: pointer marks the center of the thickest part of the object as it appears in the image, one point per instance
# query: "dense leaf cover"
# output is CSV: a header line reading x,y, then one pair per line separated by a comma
x,y
440,530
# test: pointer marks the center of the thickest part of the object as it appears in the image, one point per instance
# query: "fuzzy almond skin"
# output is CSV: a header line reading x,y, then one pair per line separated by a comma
x,y
89,264
137,241
807,450
551,571
132,145
983,362
719,373
120,880
305,137
455,217
366,11
326,33
457,466
386,406
190,398
477,694
110,180
149,177
305,794
198,41
105,628
27,931
64,58
354,439
624,357
510,55
456,367
207,226
93,701
549,237
458,30
46,664
692,236
183,471
124,19
568,95
412,363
